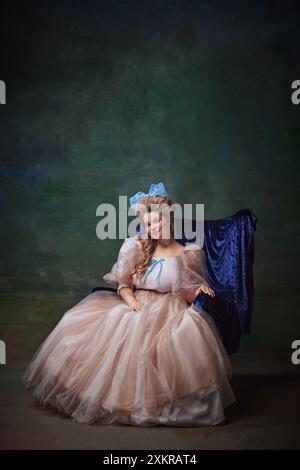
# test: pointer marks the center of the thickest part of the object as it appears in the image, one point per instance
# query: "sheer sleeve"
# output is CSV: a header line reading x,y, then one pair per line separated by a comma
x,y
120,274
191,272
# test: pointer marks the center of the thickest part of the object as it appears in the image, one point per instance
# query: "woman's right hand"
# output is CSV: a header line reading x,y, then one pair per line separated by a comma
x,y
136,306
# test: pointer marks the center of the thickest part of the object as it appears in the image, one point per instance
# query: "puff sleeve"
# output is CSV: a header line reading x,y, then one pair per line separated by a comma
x,y
120,274
191,272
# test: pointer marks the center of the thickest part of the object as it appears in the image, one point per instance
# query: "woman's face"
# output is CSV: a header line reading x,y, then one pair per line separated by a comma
x,y
156,225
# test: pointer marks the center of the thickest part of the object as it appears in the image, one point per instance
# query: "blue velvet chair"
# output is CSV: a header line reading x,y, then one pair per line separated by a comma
x,y
229,250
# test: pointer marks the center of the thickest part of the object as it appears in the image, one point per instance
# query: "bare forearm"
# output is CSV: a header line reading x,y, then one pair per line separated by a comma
x,y
128,297
126,293
190,295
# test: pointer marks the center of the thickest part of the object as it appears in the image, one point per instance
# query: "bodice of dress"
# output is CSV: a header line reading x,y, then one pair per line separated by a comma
x,y
176,274
160,275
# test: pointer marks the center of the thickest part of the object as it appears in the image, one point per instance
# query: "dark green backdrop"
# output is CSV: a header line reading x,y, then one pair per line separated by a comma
x,y
104,98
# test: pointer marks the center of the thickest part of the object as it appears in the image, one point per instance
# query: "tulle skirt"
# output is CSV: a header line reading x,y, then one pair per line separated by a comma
x,y
104,363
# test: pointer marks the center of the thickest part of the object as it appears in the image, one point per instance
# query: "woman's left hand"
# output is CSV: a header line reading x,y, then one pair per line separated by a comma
x,y
206,289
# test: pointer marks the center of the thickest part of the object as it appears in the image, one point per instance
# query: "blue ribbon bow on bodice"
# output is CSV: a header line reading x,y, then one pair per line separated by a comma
x,y
154,262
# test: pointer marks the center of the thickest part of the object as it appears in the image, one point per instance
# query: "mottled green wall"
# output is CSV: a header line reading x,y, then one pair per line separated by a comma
x,y
104,98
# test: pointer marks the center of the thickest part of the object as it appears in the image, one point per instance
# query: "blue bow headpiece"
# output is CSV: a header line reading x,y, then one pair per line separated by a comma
x,y
154,190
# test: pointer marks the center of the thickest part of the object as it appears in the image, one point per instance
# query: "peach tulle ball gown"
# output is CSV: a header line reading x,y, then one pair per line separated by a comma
x,y
105,363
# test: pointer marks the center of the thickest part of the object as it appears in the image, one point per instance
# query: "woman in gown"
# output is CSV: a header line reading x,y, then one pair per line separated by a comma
x,y
141,355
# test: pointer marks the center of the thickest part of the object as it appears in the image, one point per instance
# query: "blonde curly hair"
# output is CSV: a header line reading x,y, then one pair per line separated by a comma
x,y
149,244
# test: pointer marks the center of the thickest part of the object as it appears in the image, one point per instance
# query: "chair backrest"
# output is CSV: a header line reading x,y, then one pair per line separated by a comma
x,y
229,250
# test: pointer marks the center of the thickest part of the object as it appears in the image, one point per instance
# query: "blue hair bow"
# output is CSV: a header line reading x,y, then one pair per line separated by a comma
x,y
154,190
